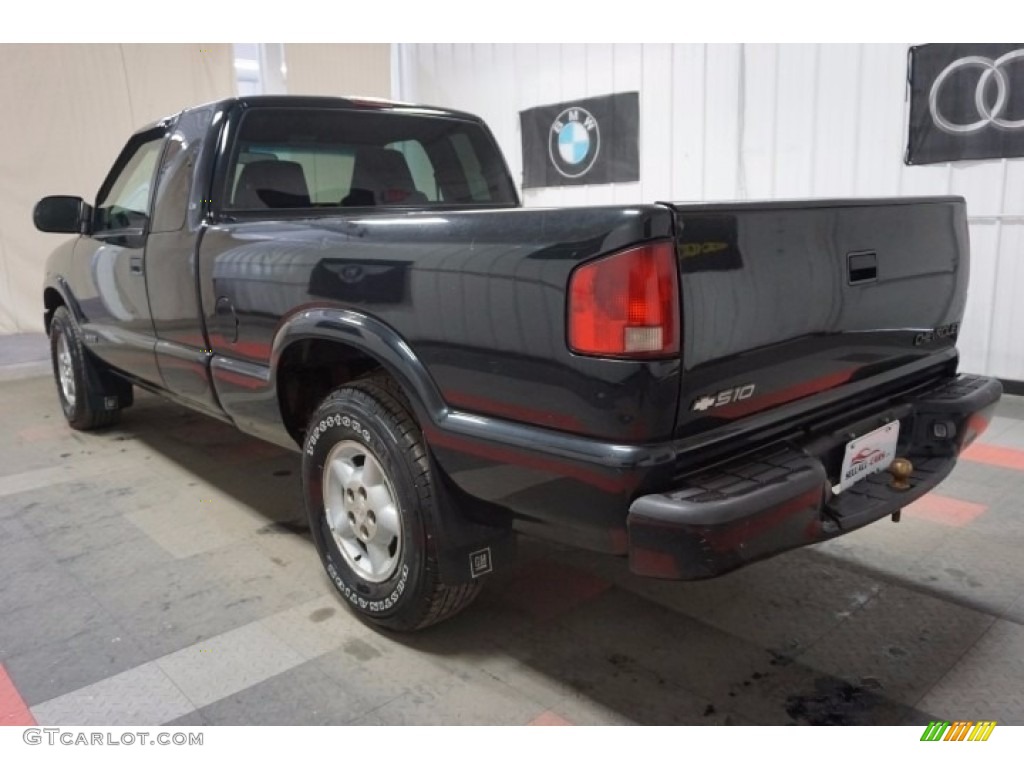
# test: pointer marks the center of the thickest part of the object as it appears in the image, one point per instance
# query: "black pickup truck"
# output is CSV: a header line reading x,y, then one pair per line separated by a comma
x,y
695,386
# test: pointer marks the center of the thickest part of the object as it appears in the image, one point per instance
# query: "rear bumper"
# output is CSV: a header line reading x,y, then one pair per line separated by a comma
x,y
764,503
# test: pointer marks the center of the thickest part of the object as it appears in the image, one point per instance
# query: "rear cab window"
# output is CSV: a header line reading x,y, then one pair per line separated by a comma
x,y
311,158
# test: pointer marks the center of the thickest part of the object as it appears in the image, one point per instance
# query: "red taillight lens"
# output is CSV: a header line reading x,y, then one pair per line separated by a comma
x,y
626,304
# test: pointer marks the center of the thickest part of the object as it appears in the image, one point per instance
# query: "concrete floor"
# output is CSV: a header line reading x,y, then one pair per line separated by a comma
x,y
161,572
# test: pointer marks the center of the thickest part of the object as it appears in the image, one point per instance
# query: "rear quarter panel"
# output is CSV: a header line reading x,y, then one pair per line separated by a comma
x,y
479,298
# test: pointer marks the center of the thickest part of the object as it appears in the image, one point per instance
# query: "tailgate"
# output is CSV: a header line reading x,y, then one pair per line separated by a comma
x,y
785,300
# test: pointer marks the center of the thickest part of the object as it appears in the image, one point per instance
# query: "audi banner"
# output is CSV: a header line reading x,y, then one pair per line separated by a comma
x,y
966,102
588,141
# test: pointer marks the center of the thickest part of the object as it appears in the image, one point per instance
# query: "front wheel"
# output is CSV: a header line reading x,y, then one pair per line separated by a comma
x,y
76,375
370,500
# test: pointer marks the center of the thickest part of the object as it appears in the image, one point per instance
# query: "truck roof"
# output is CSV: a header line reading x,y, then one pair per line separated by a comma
x,y
368,103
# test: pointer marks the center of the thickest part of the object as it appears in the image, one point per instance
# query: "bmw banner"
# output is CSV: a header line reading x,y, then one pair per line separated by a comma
x,y
966,102
588,141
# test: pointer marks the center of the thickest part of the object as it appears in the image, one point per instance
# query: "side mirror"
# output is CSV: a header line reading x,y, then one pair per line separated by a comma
x,y
61,213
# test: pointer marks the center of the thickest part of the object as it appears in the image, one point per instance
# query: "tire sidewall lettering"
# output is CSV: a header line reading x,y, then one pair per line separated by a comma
x,y
330,422
351,593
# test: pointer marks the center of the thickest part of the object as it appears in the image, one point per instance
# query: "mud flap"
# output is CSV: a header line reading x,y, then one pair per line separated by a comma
x,y
465,549
107,391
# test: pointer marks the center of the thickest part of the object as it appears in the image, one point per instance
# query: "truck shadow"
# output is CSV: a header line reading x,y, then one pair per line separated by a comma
x,y
598,647
261,476
575,633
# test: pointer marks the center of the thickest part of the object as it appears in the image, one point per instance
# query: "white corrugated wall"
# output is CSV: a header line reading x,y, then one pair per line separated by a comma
x,y
752,121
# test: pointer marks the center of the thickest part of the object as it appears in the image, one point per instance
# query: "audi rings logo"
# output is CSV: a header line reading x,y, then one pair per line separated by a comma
x,y
574,142
989,100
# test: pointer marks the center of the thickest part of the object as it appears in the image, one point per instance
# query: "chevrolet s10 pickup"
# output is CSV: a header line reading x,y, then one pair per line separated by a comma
x,y
694,386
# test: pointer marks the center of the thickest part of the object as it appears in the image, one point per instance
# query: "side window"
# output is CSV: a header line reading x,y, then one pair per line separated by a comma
x,y
173,185
125,202
177,169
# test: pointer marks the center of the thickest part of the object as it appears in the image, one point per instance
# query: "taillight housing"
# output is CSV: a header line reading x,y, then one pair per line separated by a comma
x,y
626,304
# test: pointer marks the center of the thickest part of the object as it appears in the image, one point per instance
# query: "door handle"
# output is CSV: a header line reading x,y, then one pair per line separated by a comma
x,y
135,265
862,267
227,320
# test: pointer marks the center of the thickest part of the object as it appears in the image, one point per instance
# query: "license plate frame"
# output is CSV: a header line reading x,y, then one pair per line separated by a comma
x,y
868,454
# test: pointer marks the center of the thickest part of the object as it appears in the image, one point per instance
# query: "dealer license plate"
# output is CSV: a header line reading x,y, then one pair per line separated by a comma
x,y
868,454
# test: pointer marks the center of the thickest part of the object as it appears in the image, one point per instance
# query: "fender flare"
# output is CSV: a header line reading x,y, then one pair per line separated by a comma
x,y
461,541
370,336
67,297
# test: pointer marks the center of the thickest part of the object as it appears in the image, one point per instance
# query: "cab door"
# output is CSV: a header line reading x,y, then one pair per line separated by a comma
x,y
182,349
117,324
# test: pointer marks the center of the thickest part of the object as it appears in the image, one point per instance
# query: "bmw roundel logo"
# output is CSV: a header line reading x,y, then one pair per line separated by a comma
x,y
574,142
351,273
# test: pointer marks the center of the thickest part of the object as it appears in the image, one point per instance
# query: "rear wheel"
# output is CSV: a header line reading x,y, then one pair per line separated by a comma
x,y
77,374
370,499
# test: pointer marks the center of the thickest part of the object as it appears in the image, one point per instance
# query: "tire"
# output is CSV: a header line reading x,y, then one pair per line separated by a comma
x,y
381,564
76,373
